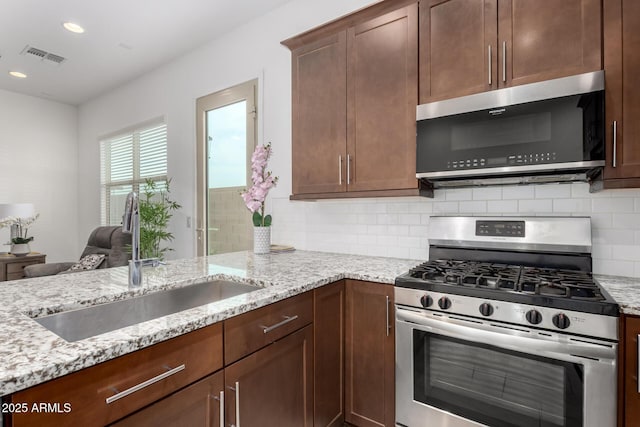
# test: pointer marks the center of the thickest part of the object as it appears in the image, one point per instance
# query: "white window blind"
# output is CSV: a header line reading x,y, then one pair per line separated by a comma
x,y
127,161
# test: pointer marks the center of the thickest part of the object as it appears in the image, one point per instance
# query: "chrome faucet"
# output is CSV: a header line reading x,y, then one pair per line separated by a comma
x,y
131,224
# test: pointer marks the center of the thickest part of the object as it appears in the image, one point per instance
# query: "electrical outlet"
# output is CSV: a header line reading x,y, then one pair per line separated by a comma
x,y
188,222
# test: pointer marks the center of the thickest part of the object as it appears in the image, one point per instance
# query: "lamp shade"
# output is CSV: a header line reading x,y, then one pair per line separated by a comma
x,y
17,210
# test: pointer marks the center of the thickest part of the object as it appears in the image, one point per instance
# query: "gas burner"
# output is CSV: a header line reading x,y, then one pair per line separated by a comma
x,y
548,282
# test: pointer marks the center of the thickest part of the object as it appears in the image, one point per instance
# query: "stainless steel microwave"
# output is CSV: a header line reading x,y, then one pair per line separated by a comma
x,y
542,130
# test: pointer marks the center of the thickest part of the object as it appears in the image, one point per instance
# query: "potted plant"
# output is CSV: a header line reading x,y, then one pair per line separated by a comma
x,y
254,198
20,243
156,209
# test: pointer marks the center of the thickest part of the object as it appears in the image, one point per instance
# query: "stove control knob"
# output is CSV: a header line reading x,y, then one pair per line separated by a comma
x,y
561,321
534,317
426,301
444,303
486,309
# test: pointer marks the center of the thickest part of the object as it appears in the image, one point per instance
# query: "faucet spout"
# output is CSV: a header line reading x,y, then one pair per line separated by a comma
x,y
131,224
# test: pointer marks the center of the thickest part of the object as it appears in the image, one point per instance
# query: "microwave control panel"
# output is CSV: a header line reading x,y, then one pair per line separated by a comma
x,y
512,160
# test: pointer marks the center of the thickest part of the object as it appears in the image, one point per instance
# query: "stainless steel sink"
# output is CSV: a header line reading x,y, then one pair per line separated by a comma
x,y
87,322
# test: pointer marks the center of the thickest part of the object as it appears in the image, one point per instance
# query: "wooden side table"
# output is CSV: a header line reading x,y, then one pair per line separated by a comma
x,y
12,267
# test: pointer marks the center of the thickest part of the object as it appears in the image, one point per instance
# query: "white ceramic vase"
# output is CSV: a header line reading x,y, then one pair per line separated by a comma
x,y
20,249
261,240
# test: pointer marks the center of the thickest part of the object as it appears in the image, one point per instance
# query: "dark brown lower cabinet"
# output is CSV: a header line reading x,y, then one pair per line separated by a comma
x,y
630,377
370,354
273,386
328,357
197,405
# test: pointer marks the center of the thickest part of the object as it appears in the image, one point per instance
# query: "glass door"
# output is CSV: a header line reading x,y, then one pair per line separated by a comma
x,y
226,139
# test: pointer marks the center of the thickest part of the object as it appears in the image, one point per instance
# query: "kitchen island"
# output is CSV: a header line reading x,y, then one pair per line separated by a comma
x,y
32,355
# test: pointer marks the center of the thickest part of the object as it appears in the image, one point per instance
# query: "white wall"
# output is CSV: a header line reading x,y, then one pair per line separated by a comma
x,y
38,164
251,51
388,227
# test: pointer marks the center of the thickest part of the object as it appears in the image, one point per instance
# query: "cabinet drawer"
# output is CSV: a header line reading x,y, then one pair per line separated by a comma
x,y
251,331
18,267
128,383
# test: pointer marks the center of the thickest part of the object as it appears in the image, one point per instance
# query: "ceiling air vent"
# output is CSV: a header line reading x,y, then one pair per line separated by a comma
x,y
42,54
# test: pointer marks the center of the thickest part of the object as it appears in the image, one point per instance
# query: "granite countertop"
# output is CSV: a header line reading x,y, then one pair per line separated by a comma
x,y
30,354
625,290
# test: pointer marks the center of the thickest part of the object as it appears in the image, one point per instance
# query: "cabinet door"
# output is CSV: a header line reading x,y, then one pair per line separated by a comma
x,y
547,39
328,358
319,78
273,386
631,387
382,95
622,66
370,355
197,405
457,48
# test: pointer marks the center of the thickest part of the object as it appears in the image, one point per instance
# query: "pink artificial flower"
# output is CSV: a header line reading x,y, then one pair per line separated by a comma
x,y
263,181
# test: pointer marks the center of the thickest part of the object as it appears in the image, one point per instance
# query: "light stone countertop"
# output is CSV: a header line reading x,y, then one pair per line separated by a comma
x,y
30,354
625,290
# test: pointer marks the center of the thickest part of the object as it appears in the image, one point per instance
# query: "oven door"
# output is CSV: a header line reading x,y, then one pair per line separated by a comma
x,y
457,372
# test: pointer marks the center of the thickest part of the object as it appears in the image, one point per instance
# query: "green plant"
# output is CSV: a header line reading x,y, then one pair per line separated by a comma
x,y
155,212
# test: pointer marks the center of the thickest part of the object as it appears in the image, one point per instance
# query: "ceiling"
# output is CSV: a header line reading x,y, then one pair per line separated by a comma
x,y
123,39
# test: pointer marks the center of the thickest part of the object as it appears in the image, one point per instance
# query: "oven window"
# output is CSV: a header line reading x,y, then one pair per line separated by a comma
x,y
494,386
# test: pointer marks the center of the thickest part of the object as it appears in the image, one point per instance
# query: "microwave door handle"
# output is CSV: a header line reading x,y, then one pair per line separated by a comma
x,y
615,144
508,339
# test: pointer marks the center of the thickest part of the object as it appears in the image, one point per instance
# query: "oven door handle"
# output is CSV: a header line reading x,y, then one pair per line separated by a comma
x,y
509,338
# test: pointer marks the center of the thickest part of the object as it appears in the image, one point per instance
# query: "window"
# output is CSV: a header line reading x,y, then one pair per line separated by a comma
x,y
127,161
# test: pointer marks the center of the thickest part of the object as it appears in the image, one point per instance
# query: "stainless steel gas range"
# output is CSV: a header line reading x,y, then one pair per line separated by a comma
x,y
505,326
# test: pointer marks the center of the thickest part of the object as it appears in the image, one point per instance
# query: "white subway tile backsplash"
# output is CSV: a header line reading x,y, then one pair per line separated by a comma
x,y
408,219
612,205
533,206
510,192
625,252
615,268
459,194
572,205
626,221
473,207
499,207
445,208
552,191
487,193
611,236
399,227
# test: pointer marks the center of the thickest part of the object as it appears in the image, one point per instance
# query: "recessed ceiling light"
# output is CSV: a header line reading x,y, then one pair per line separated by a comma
x,y
74,28
18,74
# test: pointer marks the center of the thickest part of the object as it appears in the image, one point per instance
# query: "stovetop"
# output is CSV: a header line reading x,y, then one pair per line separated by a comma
x,y
545,287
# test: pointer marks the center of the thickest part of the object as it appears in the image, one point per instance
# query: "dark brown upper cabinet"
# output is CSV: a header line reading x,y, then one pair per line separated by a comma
x,y
355,92
622,95
472,46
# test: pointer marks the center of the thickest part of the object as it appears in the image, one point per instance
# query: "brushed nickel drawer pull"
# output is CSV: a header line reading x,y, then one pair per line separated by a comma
x,y
287,319
221,400
388,322
340,169
237,391
489,62
144,384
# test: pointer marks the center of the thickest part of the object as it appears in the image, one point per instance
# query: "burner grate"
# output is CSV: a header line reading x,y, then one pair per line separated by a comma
x,y
556,283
